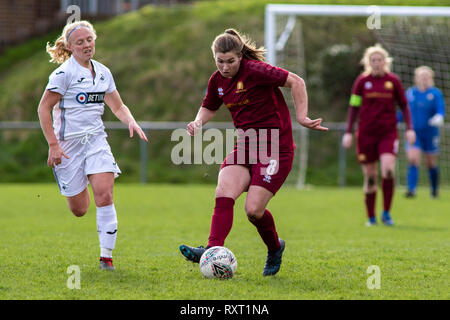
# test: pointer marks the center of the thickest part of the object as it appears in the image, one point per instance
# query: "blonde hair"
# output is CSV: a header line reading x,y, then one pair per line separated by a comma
x,y
231,40
377,48
59,52
424,69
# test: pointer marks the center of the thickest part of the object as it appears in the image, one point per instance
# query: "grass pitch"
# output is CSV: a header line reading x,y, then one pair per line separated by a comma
x,y
328,248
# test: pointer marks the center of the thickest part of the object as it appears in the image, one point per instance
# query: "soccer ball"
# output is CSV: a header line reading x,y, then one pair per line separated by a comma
x,y
218,262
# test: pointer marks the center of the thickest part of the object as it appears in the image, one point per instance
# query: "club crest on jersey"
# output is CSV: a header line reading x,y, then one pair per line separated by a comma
x,y
220,91
240,87
388,85
430,96
368,85
90,97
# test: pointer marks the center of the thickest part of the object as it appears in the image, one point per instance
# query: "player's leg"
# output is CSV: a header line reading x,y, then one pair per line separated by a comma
x,y
431,150
233,180
370,172
387,164
431,160
255,207
267,179
413,155
79,203
102,188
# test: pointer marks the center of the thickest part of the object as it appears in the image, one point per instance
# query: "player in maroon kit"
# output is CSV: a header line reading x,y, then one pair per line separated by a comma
x,y
249,88
375,94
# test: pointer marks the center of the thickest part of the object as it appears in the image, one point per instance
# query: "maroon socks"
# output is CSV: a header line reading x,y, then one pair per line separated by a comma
x,y
267,231
222,220
387,185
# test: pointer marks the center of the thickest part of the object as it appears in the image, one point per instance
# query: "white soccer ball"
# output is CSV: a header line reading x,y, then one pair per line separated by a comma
x,y
218,262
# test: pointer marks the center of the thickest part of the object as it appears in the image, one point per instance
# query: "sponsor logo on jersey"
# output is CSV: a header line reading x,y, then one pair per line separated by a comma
x,y
59,72
81,80
368,85
90,97
388,85
240,87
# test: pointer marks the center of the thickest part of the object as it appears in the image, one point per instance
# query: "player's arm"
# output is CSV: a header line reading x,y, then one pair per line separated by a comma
x,y
121,111
355,104
298,89
403,104
203,116
48,101
438,119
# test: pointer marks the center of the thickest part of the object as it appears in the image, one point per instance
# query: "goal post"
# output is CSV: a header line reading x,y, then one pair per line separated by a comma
x,y
284,25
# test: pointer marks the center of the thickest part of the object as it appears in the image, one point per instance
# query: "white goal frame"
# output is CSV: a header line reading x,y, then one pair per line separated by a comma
x,y
274,44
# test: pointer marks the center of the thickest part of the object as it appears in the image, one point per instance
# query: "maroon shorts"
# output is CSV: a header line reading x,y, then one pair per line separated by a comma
x,y
370,147
269,173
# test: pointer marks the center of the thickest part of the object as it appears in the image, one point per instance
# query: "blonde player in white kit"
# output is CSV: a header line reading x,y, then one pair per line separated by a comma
x,y
78,150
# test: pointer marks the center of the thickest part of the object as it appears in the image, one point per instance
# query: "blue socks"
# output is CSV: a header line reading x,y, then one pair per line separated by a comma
x,y
413,177
433,174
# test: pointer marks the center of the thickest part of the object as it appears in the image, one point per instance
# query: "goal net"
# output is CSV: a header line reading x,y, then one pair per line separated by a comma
x,y
324,44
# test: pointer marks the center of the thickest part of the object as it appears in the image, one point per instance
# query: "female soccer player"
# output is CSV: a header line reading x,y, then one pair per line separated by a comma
x,y
374,96
78,150
428,111
249,88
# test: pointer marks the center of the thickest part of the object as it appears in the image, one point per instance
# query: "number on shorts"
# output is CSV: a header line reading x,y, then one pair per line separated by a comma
x,y
272,168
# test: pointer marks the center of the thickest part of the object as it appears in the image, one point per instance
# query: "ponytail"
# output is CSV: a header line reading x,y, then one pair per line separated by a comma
x,y
231,40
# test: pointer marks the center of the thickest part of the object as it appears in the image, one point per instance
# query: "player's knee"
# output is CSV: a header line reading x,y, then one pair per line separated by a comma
x,y
371,181
103,199
78,212
389,174
253,212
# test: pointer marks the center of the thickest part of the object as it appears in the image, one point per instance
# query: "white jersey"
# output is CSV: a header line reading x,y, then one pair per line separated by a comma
x,y
80,110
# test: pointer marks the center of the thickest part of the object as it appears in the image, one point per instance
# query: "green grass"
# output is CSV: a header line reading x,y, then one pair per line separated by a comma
x,y
328,248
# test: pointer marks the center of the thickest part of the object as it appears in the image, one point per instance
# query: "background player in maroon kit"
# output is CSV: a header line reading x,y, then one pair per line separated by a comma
x,y
375,94
249,88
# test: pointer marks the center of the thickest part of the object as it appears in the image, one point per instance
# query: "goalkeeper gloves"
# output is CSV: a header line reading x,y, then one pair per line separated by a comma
x,y
436,121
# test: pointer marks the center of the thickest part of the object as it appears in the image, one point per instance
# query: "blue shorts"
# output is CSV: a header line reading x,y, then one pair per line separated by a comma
x,y
426,140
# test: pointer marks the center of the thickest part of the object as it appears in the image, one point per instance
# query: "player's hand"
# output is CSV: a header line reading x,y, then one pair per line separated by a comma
x,y
436,121
347,140
312,124
55,154
133,126
193,127
410,136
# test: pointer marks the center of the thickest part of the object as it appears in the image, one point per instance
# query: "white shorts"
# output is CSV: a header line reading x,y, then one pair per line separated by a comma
x,y
87,155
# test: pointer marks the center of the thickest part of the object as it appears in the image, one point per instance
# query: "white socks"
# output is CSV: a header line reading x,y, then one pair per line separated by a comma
x,y
107,229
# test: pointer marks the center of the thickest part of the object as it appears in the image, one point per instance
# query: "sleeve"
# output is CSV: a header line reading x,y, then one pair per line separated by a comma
x,y
355,103
111,83
439,103
400,97
212,101
356,94
267,75
58,81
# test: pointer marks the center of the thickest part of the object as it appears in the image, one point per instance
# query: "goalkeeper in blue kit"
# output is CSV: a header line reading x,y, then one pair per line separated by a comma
x,y
428,111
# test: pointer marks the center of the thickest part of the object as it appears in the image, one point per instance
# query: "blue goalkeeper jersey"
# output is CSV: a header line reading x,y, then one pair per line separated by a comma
x,y
424,105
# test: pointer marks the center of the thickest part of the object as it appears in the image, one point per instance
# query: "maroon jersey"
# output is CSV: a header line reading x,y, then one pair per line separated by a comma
x,y
376,98
254,99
